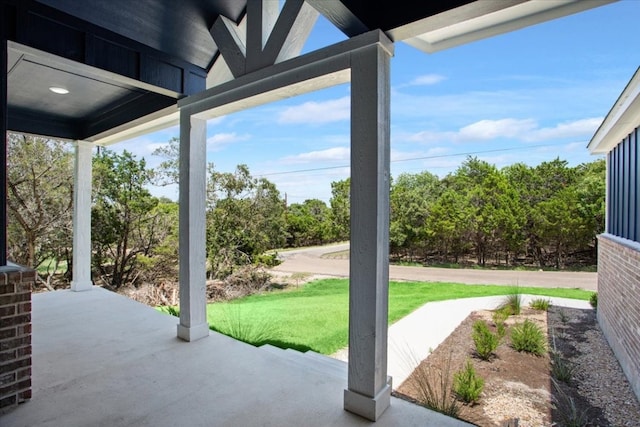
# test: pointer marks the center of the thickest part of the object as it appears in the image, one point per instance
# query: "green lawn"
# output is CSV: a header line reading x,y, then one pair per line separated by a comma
x,y
315,316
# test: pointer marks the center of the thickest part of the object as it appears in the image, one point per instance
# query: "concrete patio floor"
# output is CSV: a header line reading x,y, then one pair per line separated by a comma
x,y
100,359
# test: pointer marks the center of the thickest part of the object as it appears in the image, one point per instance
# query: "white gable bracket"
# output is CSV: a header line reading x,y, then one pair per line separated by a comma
x,y
269,38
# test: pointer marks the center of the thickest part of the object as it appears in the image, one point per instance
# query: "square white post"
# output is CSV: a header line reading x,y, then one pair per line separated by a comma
x,y
369,389
192,242
82,173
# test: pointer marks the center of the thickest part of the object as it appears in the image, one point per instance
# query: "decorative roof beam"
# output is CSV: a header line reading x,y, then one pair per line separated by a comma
x,y
340,16
269,37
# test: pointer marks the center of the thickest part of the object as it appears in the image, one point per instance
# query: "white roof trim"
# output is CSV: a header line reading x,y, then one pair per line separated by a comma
x,y
482,19
621,120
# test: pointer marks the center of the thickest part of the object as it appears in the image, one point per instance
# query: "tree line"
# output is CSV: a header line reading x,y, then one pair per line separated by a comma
x,y
548,215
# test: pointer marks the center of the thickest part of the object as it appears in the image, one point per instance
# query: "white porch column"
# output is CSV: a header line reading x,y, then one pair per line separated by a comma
x,y
193,310
369,388
81,280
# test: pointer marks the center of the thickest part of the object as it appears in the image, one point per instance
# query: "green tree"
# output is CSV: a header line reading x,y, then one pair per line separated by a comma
x,y
340,209
591,189
245,218
122,213
495,206
447,225
412,196
39,200
308,223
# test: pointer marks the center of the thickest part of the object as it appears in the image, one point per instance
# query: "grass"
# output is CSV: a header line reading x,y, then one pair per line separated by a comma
x,y
315,316
540,304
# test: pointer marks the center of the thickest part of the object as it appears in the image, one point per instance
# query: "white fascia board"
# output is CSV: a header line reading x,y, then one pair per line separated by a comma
x,y
159,120
483,19
620,121
316,70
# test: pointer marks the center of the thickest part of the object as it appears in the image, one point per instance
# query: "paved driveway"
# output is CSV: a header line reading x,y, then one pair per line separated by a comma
x,y
310,260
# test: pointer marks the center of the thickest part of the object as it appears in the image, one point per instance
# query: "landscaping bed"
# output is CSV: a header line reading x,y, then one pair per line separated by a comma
x,y
520,388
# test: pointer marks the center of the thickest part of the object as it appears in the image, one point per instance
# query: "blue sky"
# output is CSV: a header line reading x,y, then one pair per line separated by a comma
x,y
525,96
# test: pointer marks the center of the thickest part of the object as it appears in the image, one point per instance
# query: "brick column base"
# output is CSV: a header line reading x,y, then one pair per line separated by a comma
x,y
15,335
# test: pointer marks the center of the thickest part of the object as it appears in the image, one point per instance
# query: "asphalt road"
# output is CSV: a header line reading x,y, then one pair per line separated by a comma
x,y
310,260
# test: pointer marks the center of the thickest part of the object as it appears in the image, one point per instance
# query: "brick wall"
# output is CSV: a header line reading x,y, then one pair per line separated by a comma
x,y
619,302
15,335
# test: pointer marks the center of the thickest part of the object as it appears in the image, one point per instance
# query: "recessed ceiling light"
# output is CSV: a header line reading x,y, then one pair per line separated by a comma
x,y
59,90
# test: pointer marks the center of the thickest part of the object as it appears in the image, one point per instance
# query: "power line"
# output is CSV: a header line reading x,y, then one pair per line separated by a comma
x,y
440,156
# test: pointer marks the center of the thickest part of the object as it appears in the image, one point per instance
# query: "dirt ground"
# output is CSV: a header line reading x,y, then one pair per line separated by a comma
x,y
519,390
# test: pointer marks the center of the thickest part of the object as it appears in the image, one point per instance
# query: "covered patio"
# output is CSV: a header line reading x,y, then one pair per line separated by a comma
x,y
100,359
129,69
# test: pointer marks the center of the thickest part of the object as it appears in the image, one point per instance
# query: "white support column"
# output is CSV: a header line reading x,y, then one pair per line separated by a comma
x,y
193,303
81,269
369,388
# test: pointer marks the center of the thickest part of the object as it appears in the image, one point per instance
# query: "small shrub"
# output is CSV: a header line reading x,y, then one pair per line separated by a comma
x,y
541,304
593,300
528,337
433,386
561,369
512,302
486,342
171,310
267,259
467,384
499,317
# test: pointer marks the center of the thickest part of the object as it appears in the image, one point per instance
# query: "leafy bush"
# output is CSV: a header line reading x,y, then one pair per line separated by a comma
x,y
593,300
467,384
512,302
433,386
528,337
267,259
486,342
541,304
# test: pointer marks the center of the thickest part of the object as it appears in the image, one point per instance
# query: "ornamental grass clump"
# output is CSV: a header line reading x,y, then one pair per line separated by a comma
x,y
433,387
486,341
528,337
467,384
512,302
541,304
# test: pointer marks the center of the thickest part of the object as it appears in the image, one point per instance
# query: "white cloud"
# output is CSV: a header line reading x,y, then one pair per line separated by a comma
x,y
526,130
492,129
577,128
220,140
313,112
427,79
331,154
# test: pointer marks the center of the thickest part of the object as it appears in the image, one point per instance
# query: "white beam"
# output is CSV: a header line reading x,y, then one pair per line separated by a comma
x,y
484,18
81,268
369,388
193,303
290,32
